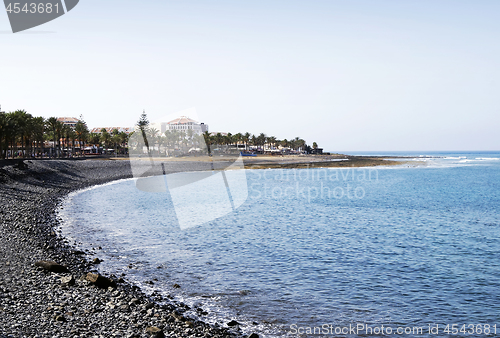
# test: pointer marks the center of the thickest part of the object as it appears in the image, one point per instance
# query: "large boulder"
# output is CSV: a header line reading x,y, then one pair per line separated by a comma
x,y
100,281
67,280
52,266
155,332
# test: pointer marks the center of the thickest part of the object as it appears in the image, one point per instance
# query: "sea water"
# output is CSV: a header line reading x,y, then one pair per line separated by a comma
x,y
318,252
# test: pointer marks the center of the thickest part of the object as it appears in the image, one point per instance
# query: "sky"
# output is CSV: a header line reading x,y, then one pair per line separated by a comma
x,y
357,75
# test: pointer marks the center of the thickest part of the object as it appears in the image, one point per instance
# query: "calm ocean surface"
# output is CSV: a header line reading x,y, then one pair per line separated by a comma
x,y
400,247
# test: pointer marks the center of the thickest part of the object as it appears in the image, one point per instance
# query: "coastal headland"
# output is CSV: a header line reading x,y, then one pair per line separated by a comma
x,y
73,300
287,161
320,161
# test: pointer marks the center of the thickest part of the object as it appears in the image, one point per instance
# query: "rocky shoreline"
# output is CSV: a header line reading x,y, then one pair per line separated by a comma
x,y
72,300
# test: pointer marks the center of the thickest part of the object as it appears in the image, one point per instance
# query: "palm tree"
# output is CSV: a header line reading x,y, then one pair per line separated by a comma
x,y
228,140
284,143
95,139
219,139
143,125
72,138
29,131
169,139
253,140
52,124
272,141
3,134
246,139
261,140
190,134
176,136
82,132
105,138
115,139
39,125
208,141
10,134
238,138
21,121
59,133
66,135
298,143
123,140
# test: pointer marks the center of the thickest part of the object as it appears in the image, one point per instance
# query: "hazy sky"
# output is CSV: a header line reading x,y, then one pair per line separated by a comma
x,y
350,75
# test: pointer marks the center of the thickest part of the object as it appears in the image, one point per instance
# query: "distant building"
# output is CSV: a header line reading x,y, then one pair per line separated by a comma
x,y
126,130
182,123
68,121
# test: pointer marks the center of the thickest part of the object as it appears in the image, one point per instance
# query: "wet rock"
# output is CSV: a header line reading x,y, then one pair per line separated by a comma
x,y
178,317
233,323
21,165
253,335
52,266
100,281
96,261
155,332
176,286
59,318
67,280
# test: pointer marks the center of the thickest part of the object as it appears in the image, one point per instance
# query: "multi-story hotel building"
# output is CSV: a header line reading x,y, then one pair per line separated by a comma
x,y
68,121
182,123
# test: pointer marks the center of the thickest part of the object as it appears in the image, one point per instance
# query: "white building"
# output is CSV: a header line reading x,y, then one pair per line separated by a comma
x,y
182,123
68,121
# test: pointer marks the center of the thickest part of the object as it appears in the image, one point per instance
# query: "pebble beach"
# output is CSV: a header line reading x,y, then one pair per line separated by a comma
x,y
48,288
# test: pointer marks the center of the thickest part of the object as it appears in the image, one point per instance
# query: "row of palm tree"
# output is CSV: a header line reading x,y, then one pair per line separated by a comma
x,y
190,140
23,135
260,141
157,142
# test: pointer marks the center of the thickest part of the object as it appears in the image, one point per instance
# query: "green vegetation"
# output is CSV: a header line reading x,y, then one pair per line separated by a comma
x,y
25,136
182,142
262,141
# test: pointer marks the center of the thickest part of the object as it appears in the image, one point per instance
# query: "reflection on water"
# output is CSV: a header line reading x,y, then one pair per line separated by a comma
x,y
413,246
